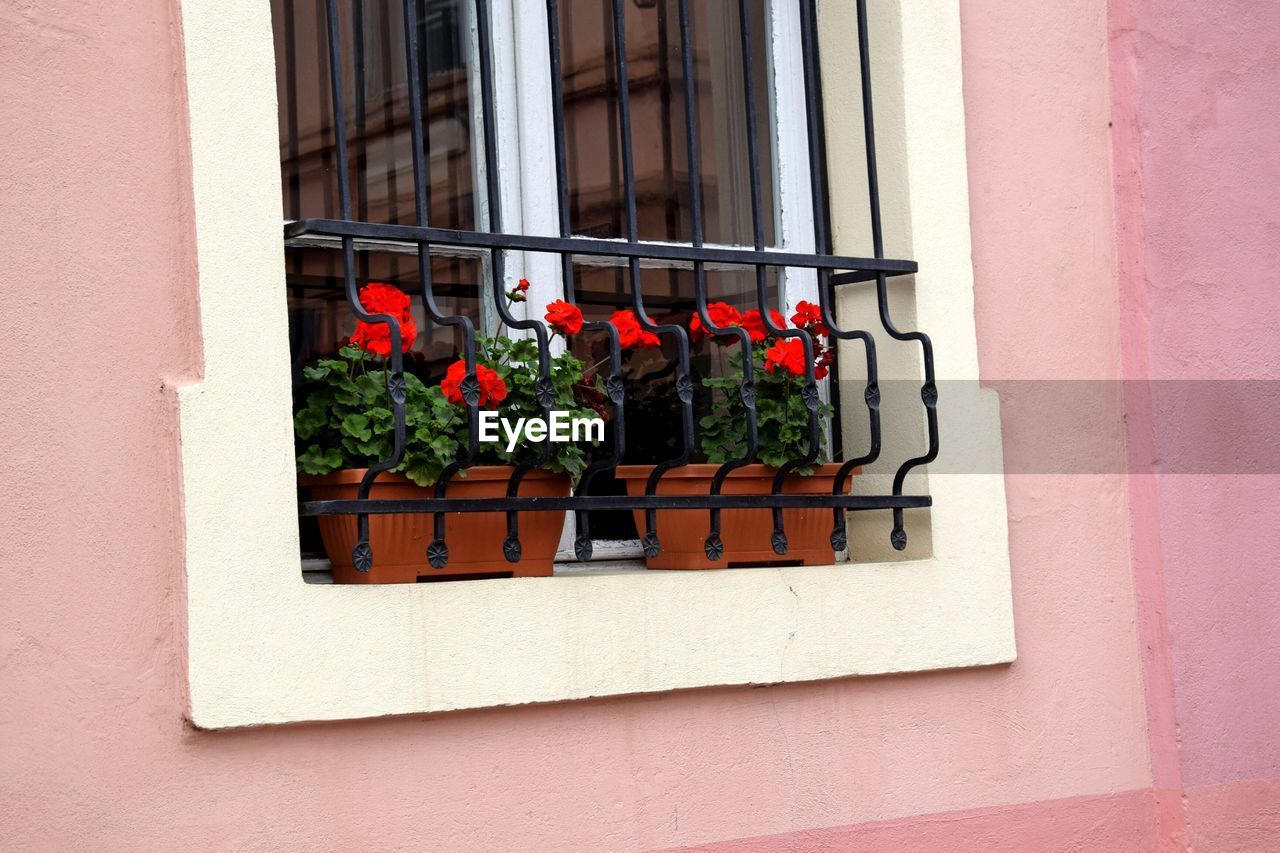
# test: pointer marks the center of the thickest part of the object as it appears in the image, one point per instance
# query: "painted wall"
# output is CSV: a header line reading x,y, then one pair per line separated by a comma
x,y
1198,136
1051,752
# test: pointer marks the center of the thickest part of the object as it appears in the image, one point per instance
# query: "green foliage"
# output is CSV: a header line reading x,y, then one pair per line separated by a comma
x,y
347,420
516,361
782,420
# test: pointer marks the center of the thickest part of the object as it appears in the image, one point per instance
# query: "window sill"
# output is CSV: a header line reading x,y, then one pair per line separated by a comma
x,y
317,570
280,651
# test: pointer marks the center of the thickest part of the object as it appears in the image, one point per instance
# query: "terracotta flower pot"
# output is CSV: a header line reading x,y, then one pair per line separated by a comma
x,y
746,533
475,539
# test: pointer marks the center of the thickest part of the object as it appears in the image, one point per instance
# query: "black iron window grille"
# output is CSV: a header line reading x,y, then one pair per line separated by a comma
x,y
832,271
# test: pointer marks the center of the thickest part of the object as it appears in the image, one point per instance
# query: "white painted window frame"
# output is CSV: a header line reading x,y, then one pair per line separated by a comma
x,y
264,647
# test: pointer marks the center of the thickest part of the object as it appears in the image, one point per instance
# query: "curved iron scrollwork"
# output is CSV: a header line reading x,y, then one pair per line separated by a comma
x,y
831,271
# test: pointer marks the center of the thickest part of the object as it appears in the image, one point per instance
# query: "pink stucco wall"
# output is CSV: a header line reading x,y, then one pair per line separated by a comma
x,y
1201,84
1198,167
1055,751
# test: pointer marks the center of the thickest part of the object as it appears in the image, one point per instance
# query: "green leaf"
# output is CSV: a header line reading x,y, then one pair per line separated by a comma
x,y
315,460
310,421
357,426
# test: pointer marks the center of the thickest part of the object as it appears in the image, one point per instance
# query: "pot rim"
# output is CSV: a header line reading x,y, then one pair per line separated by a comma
x,y
346,476
707,470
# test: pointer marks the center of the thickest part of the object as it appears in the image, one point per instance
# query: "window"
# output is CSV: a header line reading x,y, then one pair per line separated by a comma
x,y
263,647
650,146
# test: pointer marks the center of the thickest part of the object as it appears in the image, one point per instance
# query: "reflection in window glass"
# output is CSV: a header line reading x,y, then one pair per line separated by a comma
x,y
381,159
382,181
377,111
656,88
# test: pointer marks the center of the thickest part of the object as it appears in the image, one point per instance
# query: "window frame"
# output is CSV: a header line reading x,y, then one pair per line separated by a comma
x,y
264,647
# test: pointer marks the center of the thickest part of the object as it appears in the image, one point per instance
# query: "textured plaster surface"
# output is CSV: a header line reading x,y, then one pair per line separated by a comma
x,y
1203,118
1118,822
93,745
1238,816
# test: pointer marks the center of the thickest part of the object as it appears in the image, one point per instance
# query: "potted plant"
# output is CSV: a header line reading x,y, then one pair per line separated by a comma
x,y
782,435
346,424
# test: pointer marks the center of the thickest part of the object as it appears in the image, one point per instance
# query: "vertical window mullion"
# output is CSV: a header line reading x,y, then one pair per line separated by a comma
x,y
791,165
532,150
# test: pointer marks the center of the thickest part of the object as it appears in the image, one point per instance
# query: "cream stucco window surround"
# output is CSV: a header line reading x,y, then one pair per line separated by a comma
x,y
263,647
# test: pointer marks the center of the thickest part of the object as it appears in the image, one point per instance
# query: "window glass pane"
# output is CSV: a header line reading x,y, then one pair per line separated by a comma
x,y
320,318
656,88
381,169
377,108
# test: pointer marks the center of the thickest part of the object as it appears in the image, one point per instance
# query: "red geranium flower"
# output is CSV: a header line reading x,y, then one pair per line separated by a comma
x,y
630,334
564,318
492,388
723,316
523,286
809,317
754,324
379,298
376,337
787,354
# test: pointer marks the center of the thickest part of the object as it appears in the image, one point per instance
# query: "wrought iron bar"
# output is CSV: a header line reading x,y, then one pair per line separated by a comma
x,y
438,550
684,385
639,250
809,393
615,502
817,133
362,553
614,388
929,390
543,390
713,546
